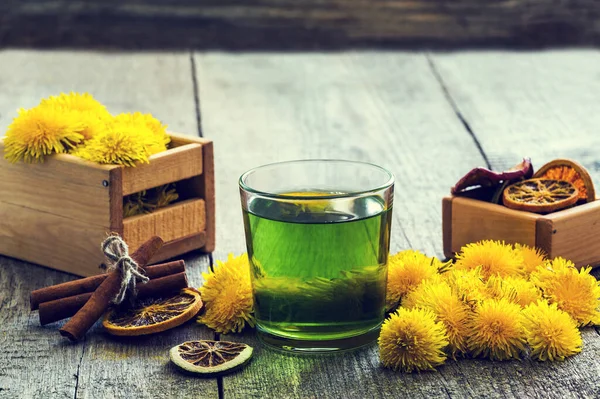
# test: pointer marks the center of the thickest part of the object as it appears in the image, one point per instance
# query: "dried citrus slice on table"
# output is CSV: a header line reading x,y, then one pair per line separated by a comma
x,y
571,171
154,315
210,358
540,195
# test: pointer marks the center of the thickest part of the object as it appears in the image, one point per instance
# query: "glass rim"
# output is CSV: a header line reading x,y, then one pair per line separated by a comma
x,y
388,183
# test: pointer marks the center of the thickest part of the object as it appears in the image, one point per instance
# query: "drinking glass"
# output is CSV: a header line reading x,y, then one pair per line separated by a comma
x,y
318,233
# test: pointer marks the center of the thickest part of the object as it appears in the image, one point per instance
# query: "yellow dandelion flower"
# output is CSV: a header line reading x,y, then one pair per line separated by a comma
x,y
406,270
468,285
551,333
494,258
515,289
574,291
496,330
41,131
227,296
83,102
532,257
449,309
412,339
148,124
124,146
92,114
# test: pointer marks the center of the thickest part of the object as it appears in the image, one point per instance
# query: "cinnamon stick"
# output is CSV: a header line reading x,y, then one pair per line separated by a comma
x,y
98,303
63,308
89,284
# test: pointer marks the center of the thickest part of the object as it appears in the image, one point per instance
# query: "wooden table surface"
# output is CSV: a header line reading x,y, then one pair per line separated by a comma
x,y
428,117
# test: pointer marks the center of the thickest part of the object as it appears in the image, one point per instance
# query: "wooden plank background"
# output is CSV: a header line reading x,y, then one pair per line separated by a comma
x,y
36,362
393,109
292,24
428,117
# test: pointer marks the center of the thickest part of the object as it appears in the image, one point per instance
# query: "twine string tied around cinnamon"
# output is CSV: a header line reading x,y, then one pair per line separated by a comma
x,y
117,254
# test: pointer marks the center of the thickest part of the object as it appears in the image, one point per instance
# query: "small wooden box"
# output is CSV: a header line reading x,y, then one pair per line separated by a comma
x,y
571,233
58,212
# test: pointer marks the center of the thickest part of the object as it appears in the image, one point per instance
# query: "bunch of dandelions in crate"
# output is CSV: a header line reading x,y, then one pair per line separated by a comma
x,y
80,125
495,301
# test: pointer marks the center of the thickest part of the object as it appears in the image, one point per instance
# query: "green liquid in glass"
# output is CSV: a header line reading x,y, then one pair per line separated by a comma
x,y
318,273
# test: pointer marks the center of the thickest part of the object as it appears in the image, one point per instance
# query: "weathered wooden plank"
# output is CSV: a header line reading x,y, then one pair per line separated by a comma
x,y
37,361
158,83
542,105
139,367
235,24
385,108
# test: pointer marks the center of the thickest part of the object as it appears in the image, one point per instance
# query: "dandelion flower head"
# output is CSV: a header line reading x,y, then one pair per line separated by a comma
x,y
551,333
447,306
494,258
92,114
406,270
574,291
227,296
515,289
147,124
532,257
468,285
412,339
126,141
41,131
496,330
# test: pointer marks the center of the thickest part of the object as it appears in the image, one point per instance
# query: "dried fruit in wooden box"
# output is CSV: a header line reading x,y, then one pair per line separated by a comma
x,y
540,195
574,173
483,177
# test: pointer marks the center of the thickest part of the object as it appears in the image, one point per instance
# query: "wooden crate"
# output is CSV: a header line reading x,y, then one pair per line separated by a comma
x,y
571,233
57,213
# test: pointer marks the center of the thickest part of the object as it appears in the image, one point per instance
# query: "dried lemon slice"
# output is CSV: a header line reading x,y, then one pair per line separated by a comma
x,y
540,195
571,171
154,315
212,358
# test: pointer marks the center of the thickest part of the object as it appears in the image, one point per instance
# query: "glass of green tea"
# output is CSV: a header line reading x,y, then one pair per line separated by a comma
x,y
317,233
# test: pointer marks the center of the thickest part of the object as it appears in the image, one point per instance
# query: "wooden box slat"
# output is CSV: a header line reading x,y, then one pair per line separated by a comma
x,y
179,220
166,167
571,233
574,232
51,240
63,185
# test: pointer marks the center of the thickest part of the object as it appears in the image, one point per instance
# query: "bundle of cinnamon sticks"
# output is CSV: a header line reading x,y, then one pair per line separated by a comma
x,y
87,299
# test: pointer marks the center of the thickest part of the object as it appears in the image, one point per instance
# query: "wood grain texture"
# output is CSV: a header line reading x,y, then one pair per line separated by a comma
x,y
574,234
42,238
379,107
142,363
34,361
159,83
284,24
537,104
165,167
173,222
474,220
64,186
